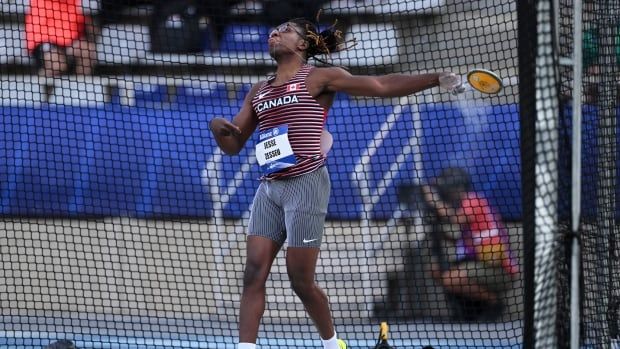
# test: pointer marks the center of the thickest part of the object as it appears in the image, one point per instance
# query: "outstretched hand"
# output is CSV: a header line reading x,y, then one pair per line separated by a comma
x,y
451,82
223,127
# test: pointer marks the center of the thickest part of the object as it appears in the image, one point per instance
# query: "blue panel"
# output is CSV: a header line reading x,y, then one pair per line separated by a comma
x,y
87,159
590,173
43,174
482,139
120,148
502,160
589,160
151,95
388,201
240,94
351,130
245,187
60,161
181,143
393,164
245,37
355,131
14,145
207,35
188,97
146,162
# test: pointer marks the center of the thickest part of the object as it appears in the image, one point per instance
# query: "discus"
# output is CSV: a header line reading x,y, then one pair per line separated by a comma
x,y
484,81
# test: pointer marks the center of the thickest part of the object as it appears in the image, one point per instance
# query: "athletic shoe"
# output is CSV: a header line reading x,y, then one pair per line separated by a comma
x,y
342,344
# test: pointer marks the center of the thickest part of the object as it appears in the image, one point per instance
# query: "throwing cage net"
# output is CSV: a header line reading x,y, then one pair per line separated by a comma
x,y
575,175
123,225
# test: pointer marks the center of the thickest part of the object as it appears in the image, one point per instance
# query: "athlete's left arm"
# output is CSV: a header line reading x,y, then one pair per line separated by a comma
x,y
336,79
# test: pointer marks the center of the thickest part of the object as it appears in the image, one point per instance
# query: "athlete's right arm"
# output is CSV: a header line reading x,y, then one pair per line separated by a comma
x,y
231,136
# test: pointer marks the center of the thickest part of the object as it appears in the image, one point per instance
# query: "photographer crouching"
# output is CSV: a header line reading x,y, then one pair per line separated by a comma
x,y
483,267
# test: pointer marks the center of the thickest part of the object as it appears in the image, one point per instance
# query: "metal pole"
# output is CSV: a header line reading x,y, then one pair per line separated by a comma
x,y
546,191
576,172
528,30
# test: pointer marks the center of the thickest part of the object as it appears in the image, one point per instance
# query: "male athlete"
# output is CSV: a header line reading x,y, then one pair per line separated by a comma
x,y
290,109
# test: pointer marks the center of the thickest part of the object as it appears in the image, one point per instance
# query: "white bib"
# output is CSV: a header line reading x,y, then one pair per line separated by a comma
x,y
274,151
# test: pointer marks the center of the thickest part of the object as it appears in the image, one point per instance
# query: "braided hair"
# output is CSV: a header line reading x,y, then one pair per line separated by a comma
x,y
325,42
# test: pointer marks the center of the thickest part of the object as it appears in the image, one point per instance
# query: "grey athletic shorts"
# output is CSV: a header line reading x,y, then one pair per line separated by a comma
x,y
292,208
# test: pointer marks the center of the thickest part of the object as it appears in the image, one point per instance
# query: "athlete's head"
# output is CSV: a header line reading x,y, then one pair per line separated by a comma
x,y
300,36
451,183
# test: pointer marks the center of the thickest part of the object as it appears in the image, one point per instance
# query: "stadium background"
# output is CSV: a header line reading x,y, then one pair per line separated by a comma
x,y
124,221
123,226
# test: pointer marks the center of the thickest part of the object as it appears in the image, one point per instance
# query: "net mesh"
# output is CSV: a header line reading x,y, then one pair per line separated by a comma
x,y
123,225
599,194
597,231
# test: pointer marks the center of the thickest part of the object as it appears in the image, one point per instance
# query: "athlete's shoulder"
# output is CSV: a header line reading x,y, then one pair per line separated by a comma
x,y
323,76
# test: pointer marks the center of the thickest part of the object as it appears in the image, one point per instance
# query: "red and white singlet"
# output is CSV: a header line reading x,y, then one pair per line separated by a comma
x,y
290,107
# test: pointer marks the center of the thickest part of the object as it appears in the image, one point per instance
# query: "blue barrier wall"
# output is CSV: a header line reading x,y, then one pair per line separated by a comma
x,y
113,161
590,171
482,139
150,162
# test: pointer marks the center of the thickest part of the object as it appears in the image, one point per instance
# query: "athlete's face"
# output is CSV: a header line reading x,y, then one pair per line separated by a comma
x,y
285,38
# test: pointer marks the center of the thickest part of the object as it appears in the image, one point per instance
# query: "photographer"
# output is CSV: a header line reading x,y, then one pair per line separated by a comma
x,y
483,267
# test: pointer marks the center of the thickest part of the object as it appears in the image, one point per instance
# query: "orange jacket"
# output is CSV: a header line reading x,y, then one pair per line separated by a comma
x,y
59,22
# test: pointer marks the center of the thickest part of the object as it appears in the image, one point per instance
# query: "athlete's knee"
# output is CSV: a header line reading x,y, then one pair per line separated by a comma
x,y
255,275
303,286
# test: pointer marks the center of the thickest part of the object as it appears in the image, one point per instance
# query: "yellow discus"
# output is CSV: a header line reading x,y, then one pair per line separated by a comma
x,y
484,81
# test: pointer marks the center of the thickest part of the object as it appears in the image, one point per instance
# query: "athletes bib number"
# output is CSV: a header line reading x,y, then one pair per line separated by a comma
x,y
273,151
